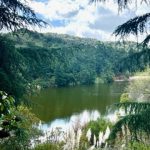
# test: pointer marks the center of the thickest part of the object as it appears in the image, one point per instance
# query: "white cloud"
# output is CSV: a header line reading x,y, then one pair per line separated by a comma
x,y
55,9
84,19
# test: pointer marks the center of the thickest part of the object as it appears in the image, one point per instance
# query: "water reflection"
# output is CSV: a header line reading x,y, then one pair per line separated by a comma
x,y
59,105
70,130
65,124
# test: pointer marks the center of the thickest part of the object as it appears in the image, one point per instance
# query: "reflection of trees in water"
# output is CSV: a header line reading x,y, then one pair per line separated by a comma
x,y
63,102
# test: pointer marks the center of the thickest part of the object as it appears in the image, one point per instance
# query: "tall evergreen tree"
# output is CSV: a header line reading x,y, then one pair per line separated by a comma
x,y
134,26
15,14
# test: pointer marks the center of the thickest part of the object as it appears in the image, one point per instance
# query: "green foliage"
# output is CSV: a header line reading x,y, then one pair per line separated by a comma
x,y
138,146
134,26
56,60
139,89
84,144
11,68
135,61
17,125
7,120
97,126
31,59
135,123
48,146
124,97
6,102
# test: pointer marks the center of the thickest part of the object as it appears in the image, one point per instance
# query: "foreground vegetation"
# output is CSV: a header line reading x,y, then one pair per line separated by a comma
x,y
17,124
130,130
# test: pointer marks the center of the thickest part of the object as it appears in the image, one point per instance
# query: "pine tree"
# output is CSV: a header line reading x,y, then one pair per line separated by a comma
x,y
15,14
134,26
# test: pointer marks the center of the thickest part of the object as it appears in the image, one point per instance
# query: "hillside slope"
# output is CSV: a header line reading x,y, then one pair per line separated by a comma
x,y
56,60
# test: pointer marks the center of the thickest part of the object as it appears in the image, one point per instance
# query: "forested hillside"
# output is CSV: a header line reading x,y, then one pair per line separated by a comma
x,y
29,59
75,118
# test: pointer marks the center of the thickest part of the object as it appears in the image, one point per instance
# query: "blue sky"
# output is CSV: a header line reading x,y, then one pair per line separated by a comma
x,y
84,19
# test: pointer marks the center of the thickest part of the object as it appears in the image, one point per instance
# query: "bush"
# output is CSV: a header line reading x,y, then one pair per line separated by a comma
x,y
48,146
16,125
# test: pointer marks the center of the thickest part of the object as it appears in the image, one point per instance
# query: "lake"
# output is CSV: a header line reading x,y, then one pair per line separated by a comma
x,y
60,106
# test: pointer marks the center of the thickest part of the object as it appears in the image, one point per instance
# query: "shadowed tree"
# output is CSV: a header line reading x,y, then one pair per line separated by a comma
x,y
15,14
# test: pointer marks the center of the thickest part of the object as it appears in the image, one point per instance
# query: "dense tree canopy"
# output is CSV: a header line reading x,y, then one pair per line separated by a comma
x,y
32,58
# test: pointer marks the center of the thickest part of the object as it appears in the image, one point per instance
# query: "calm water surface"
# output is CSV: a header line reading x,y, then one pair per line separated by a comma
x,y
58,106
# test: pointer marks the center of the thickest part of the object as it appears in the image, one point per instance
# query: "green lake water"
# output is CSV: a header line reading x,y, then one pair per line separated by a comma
x,y
58,105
